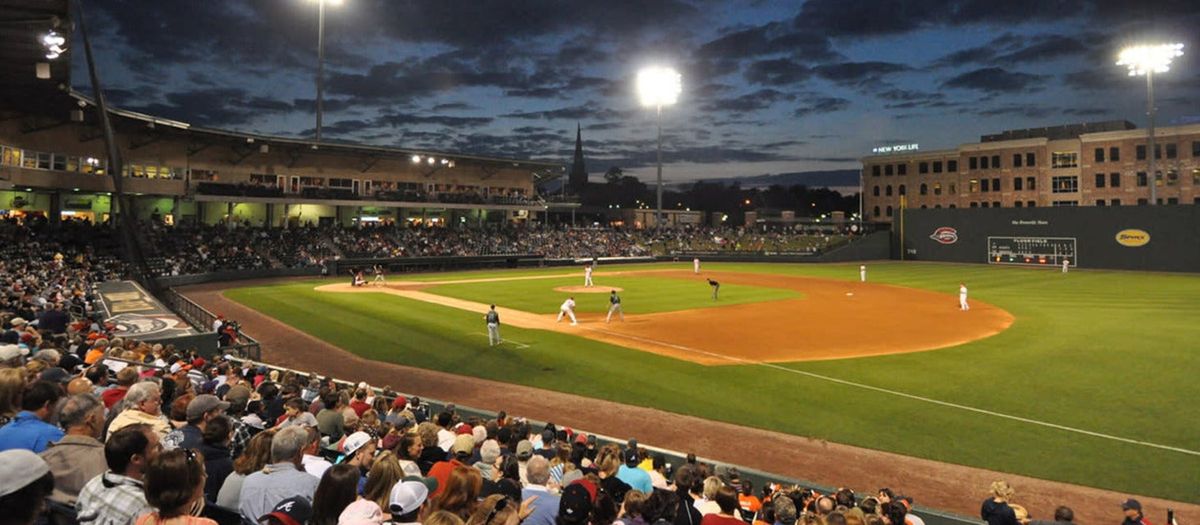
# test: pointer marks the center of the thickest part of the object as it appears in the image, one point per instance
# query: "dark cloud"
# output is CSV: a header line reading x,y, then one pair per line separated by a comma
x,y
761,99
453,106
777,72
603,126
783,144
888,17
408,119
907,99
1086,112
821,105
591,110
211,107
995,80
1024,110
857,73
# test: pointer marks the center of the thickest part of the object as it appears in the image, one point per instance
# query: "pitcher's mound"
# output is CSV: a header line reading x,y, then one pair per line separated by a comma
x,y
588,289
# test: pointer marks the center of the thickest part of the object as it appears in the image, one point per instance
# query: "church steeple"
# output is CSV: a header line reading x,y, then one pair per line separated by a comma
x,y
578,177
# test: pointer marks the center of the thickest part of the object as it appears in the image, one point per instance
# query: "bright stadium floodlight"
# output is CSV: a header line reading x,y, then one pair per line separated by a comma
x,y
321,61
657,87
1148,60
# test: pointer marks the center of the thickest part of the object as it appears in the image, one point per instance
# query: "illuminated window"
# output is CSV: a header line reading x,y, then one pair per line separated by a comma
x,y
1064,159
1069,184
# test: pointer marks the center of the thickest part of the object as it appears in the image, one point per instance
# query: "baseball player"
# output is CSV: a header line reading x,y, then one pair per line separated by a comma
x,y
493,326
696,266
587,276
1066,263
567,309
962,297
379,280
359,279
716,287
614,305
862,273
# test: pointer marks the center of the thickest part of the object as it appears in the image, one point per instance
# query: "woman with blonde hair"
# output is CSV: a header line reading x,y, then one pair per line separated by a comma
x,y
996,510
385,472
461,491
12,384
442,517
1021,514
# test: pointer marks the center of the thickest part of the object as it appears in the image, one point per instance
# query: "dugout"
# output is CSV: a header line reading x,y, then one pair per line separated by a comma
x,y
1149,238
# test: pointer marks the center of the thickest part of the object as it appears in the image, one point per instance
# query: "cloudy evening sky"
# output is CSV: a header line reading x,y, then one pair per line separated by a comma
x,y
769,86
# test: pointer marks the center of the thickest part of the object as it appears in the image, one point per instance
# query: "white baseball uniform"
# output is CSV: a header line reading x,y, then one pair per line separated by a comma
x,y
962,298
696,265
587,275
567,309
1066,263
862,273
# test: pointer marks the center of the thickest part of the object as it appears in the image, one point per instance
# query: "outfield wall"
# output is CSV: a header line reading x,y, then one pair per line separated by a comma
x,y
1155,238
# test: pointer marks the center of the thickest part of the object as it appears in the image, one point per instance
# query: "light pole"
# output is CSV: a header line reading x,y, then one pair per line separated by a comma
x,y
657,87
1148,60
321,61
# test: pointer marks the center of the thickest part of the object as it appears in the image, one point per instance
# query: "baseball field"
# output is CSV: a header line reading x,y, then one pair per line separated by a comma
x,y
1088,377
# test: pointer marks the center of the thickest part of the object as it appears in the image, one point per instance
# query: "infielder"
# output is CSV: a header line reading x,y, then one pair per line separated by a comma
x,y
379,276
862,273
962,297
696,266
567,309
716,287
1066,263
493,326
587,276
614,305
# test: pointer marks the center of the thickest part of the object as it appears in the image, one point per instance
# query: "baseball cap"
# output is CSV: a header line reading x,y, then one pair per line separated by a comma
x,y
463,444
18,321
524,449
577,500
9,352
1131,504
238,396
56,375
400,402
361,512
21,467
547,436
295,510
631,457
354,441
204,403
410,493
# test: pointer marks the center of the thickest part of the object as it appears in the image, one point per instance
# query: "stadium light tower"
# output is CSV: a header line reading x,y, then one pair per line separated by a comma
x,y
657,87
1148,60
321,60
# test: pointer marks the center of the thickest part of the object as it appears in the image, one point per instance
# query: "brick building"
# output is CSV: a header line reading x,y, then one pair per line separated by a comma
x,y
1096,164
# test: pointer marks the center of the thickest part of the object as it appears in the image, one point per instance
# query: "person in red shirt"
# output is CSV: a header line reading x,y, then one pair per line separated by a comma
x,y
359,404
727,500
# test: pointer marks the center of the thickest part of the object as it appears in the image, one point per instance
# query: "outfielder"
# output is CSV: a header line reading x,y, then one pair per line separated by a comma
x,y
862,273
716,287
379,276
696,266
1066,263
567,309
493,326
587,276
962,297
614,305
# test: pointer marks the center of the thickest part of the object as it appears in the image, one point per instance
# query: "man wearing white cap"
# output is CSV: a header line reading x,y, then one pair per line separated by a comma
x,y
409,497
24,486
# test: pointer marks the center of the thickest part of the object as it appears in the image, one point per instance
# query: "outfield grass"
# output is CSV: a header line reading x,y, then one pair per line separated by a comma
x,y
641,295
1108,352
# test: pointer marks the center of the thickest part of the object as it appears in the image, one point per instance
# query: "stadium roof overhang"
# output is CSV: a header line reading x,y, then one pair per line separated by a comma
x,y
23,24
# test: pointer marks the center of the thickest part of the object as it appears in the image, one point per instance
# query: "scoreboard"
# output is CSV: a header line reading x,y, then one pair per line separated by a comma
x,y
1033,251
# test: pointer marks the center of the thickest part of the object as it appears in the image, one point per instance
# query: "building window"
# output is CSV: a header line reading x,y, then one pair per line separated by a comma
x,y
952,190
1114,154
1099,154
1018,204
1100,202
1065,203
1141,152
973,163
983,163
875,191
924,189
902,169
1064,159
887,169
923,167
937,166
937,186
924,206
1017,183
875,171
876,214
1016,160
1196,149
59,163
1141,179
972,186
985,187
889,211
1099,180
1031,204
1172,200
1114,180
996,204
1068,184
1030,183
888,191
1172,177
952,166
1196,177
939,206
996,184
900,190
995,162
1115,202
952,206
1171,151
973,205
1143,202
984,204
1030,159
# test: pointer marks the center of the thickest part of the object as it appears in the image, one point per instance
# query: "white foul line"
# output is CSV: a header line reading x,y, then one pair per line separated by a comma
x,y
502,340
910,396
